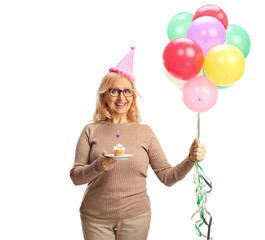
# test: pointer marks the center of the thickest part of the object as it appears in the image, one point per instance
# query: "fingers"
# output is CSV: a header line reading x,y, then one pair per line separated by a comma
x,y
199,148
195,142
197,151
109,159
104,153
197,145
107,162
197,156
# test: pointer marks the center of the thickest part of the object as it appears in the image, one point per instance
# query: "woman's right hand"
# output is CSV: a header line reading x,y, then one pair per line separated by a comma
x,y
107,162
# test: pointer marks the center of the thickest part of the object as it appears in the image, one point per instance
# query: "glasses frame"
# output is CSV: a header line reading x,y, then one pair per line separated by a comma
x,y
120,91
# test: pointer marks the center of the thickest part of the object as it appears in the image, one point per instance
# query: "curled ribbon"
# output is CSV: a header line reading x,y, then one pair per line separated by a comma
x,y
202,181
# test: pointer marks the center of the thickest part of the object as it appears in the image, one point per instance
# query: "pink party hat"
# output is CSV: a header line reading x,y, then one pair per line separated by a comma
x,y
125,66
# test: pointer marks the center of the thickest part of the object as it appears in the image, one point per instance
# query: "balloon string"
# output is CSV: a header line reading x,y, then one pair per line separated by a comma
x,y
198,127
201,181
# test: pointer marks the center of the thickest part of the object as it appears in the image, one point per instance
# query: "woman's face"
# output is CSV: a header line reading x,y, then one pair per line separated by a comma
x,y
119,105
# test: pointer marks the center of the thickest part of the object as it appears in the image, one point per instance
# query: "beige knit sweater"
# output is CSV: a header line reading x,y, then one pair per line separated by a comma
x,y
120,192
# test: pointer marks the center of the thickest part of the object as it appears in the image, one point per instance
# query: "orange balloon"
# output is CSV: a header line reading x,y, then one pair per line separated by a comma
x,y
176,81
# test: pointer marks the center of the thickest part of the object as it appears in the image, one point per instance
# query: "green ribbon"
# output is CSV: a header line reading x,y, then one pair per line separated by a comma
x,y
202,182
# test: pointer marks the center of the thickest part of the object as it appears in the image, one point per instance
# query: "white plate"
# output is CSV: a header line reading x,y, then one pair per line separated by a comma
x,y
124,157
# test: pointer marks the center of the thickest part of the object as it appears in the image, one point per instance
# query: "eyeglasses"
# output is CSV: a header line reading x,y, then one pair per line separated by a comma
x,y
115,92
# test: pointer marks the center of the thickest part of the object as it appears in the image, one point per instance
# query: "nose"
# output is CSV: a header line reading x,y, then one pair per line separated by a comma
x,y
121,96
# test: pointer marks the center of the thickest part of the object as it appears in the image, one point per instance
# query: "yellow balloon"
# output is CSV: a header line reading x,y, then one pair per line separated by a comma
x,y
224,64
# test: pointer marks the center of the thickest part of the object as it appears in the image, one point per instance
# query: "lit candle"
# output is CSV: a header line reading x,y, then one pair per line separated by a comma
x,y
118,136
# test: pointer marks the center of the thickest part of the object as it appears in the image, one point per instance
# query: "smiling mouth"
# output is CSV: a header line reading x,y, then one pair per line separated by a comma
x,y
120,105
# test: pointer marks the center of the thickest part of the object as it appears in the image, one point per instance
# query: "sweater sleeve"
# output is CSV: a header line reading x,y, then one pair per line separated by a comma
x,y
164,171
83,171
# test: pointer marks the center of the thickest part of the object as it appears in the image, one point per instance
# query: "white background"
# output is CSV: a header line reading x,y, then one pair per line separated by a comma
x,y
53,55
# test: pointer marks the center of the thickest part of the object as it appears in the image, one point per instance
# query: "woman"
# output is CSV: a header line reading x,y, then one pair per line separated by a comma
x,y
116,204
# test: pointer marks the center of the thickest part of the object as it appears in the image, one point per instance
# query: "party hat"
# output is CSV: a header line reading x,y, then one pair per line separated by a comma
x,y
125,66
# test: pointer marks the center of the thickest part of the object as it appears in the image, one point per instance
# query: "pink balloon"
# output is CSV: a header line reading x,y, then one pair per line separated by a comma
x,y
199,94
208,32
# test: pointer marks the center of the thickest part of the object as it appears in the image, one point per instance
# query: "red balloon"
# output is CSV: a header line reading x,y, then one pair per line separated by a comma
x,y
183,58
213,11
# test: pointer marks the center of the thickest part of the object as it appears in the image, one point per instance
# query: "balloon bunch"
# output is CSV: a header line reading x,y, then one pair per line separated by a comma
x,y
204,54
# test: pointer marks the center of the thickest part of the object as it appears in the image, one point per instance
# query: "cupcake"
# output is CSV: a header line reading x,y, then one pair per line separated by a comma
x,y
119,150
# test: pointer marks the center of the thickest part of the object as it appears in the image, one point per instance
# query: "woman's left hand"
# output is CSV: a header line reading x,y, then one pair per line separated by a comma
x,y
197,151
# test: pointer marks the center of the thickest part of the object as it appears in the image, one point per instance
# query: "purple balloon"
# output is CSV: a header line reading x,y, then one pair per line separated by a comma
x,y
207,32
199,94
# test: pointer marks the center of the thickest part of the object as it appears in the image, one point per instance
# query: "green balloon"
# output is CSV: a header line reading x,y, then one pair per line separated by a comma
x,y
224,87
178,25
238,37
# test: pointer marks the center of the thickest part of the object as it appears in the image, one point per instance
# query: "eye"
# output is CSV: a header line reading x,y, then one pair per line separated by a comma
x,y
114,91
127,91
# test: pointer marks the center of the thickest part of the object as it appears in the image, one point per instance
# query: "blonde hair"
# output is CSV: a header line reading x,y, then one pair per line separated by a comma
x,y
102,112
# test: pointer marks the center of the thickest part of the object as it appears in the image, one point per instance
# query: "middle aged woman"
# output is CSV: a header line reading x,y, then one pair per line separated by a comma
x,y
116,204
